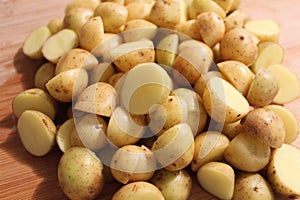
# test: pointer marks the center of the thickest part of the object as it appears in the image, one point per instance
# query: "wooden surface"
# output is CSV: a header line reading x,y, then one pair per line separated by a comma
x,y
23,176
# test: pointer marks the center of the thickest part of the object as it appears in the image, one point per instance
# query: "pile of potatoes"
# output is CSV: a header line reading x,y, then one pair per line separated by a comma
x,y
158,92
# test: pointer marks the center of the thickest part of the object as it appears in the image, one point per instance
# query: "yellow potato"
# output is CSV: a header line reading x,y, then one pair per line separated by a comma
x,y
88,4
265,30
235,4
43,75
138,10
233,129
114,79
234,20
74,138
138,29
55,25
225,4
199,6
76,18
223,102
217,178
166,50
63,135
34,42
190,29
126,2
101,72
201,84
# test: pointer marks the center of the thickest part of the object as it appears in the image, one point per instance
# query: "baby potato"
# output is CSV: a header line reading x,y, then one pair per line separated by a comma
x,y
199,6
126,2
68,84
138,10
238,45
232,129
76,58
138,29
138,190
245,147
225,4
101,72
234,20
37,132
173,185
63,135
34,99
223,102
174,149
209,146
211,27
114,79
263,88
43,75
133,163
201,84
252,186
114,16
99,98
91,34
190,29
238,74
189,43
266,126
166,50
87,4
217,178
55,25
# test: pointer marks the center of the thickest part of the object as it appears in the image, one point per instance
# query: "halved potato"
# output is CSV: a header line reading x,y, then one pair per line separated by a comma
x,y
43,75
199,6
138,29
63,135
166,50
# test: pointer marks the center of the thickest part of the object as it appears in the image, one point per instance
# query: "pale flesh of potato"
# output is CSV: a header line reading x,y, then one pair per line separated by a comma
x,y
43,75
223,102
225,4
63,135
37,132
284,171
166,50
217,178
199,6
54,48
201,84
289,87
33,44
137,191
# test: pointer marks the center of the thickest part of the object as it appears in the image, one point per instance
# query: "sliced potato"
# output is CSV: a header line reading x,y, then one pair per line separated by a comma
x,y
225,4
63,135
201,84
166,50
233,129
43,75
114,79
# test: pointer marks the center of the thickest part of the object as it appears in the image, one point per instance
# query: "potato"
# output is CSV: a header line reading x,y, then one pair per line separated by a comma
x,y
92,130
289,87
138,190
138,10
55,25
34,99
124,128
238,74
34,42
80,174
283,171
245,147
99,98
252,186
68,84
265,30
138,29
91,34
233,129
190,43
216,53
190,29
238,45
133,163
166,50
217,178
223,102
269,53
63,135
88,4
37,132
114,16
75,139
225,4
101,72
290,122
76,58
138,93
173,185
114,79
43,75
126,2
169,13
76,18
174,149
199,6
128,55
266,126
209,146
235,4
234,20
201,83
211,27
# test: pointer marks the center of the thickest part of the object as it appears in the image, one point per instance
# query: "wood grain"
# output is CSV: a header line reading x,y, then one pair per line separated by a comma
x,y
23,176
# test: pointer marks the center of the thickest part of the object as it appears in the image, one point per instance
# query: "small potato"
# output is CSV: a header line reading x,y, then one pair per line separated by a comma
x,y
233,129
138,10
166,50
114,79
217,178
76,18
209,146
138,190
190,29
91,34
238,45
34,42
139,29
211,27
101,72
201,84
37,132
234,20
174,149
252,186
87,4
99,98
225,4
34,99
53,48
43,75
189,43
266,126
238,74
199,6
244,148
133,163
126,2
63,135
114,16
223,102
55,25
173,185
76,58
263,88
265,30
75,139
68,84
235,4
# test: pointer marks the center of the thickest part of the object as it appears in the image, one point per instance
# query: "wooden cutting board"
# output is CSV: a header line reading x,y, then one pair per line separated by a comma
x,y
23,176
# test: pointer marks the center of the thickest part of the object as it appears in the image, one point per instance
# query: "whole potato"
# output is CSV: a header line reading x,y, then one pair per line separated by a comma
x,y
55,25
